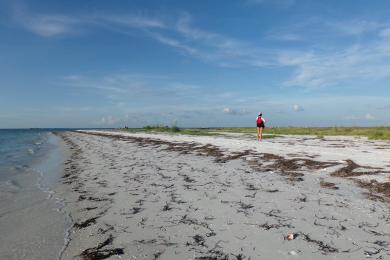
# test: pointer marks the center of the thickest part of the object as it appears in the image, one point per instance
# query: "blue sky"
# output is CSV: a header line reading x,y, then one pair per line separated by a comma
x,y
198,63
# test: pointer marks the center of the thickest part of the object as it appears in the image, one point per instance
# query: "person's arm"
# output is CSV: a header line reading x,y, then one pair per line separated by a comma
x,y
263,119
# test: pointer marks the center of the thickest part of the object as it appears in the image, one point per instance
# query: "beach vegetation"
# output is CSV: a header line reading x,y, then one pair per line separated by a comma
x,y
372,133
161,128
171,129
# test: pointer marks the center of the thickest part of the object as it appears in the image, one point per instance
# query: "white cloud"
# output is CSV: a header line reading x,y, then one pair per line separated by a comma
x,y
232,111
297,108
228,110
183,26
385,33
50,25
220,49
354,27
61,25
368,116
130,20
119,87
364,57
109,121
314,67
174,43
181,35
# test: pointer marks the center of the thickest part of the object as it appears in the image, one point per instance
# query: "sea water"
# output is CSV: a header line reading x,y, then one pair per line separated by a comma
x,y
33,223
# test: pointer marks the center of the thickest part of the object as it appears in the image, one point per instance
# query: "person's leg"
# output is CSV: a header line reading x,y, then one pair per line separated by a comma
x,y
261,133
258,133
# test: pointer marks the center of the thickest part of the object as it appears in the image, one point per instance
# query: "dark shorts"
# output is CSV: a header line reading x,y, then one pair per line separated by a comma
x,y
261,125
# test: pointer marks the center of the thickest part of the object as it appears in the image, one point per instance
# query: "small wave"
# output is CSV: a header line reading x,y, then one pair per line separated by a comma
x,y
30,151
60,207
9,187
18,167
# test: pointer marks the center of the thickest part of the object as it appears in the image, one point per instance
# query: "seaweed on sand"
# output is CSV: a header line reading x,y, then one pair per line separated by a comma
x,y
189,221
349,170
199,240
166,207
325,248
376,187
267,226
99,253
328,185
86,223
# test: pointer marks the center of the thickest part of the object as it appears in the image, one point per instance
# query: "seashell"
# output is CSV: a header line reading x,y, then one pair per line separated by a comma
x,y
290,236
292,252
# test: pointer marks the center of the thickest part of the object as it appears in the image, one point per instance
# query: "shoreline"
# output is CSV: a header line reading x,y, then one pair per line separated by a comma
x,y
167,197
33,216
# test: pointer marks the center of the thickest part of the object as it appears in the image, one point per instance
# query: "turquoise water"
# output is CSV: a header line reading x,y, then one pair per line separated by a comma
x,y
19,149
31,214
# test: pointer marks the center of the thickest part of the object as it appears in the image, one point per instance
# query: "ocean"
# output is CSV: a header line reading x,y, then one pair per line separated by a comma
x,y
33,222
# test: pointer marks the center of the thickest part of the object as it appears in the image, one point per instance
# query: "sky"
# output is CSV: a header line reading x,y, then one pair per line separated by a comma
x,y
96,63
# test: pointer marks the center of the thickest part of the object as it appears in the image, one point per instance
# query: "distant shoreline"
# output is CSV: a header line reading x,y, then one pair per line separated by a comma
x,y
374,133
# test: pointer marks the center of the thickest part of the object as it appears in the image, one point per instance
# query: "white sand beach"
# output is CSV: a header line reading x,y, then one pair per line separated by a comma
x,y
166,196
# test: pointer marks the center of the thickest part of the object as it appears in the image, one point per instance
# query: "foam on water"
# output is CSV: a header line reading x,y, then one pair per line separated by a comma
x,y
30,167
46,181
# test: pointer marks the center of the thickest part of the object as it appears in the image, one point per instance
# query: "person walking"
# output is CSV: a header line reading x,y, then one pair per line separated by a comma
x,y
260,121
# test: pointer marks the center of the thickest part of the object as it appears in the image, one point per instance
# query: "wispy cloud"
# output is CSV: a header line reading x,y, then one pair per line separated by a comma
x,y
355,27
297,108
385,32
126,86
129,20
183,26
50,25
180,34
221,49
314,67
235,112
366,117
326,60
174,43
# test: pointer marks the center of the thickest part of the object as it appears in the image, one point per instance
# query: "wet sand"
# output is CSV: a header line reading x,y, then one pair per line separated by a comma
x,y
33,224
158,196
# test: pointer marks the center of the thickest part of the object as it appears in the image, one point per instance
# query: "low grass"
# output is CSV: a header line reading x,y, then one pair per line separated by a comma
x,y
188,131
373,133
161,128
173,129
